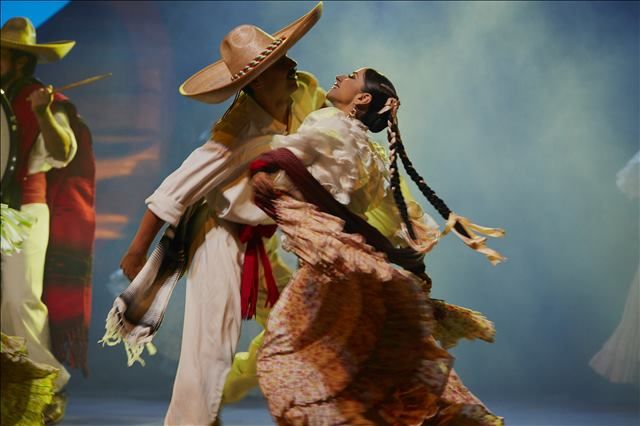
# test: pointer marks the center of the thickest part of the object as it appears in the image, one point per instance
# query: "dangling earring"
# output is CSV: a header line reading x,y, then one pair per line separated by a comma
x,y
352,113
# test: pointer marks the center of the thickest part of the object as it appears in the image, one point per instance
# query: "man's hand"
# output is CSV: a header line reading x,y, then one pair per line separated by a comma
x,y
131,264
41,100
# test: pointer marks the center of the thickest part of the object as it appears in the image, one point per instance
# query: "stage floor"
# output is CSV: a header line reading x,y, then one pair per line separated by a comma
x,y
87,411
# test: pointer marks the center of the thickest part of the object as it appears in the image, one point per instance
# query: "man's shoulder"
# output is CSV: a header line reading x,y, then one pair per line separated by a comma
x,y
233,123
21,104
307,85
19,97
307,80
21,90
24,88
224,133
309,96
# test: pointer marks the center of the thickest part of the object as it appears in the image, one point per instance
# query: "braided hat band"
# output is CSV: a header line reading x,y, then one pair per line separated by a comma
x,y
259,58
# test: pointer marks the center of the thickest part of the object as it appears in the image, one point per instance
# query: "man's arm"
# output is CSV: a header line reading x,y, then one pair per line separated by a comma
x,y
57,139
204,169
136,256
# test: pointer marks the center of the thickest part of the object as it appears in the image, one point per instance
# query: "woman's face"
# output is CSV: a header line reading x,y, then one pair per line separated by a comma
x,y
346,88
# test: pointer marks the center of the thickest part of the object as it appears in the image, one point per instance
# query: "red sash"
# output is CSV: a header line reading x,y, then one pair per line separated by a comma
x,y
255,254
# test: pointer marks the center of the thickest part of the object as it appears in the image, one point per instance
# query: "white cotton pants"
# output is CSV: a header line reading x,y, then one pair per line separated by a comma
x,y
212,322
23,313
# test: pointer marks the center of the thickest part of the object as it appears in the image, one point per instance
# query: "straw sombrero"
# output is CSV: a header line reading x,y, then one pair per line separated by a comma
x,y
20,34
246,52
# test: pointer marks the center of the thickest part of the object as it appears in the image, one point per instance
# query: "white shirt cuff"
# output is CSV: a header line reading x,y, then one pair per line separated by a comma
x,y
165,208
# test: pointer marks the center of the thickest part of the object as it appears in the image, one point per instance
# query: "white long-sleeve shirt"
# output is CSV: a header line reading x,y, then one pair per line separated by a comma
x,y
218,170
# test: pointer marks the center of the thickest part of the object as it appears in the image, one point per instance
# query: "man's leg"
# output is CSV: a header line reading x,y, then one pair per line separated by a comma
x,y
212,321
243,375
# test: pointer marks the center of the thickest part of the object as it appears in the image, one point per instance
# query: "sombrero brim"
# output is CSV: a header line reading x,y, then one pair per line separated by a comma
x,y
45,52
213,83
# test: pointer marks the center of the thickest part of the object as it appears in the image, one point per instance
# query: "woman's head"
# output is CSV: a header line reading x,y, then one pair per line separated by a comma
x,y
367,91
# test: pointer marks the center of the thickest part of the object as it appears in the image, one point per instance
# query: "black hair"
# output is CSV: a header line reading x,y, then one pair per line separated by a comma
x,y
381,89
248,90
30,67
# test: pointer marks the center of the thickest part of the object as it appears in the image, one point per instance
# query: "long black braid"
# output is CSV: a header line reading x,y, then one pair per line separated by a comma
x,y
395,148
381,90
426,190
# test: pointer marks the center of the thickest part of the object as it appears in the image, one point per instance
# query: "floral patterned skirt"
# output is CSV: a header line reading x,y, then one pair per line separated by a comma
x,y
351,339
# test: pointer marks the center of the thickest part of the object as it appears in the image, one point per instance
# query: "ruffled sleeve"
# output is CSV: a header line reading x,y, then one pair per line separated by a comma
x,y
335,150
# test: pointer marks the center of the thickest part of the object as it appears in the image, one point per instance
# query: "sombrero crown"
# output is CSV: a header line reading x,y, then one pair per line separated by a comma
x,y
246,52
20,34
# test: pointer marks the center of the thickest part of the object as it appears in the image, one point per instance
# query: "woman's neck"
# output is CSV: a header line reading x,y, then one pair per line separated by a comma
x,y
346,108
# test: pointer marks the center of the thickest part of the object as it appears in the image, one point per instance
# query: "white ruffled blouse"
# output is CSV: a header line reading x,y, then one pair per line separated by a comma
x,y
337,151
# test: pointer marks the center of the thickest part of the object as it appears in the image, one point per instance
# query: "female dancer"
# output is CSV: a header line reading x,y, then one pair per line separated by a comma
x,y
352,340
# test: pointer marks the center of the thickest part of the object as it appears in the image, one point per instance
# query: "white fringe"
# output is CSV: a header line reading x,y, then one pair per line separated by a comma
x,y
134,338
